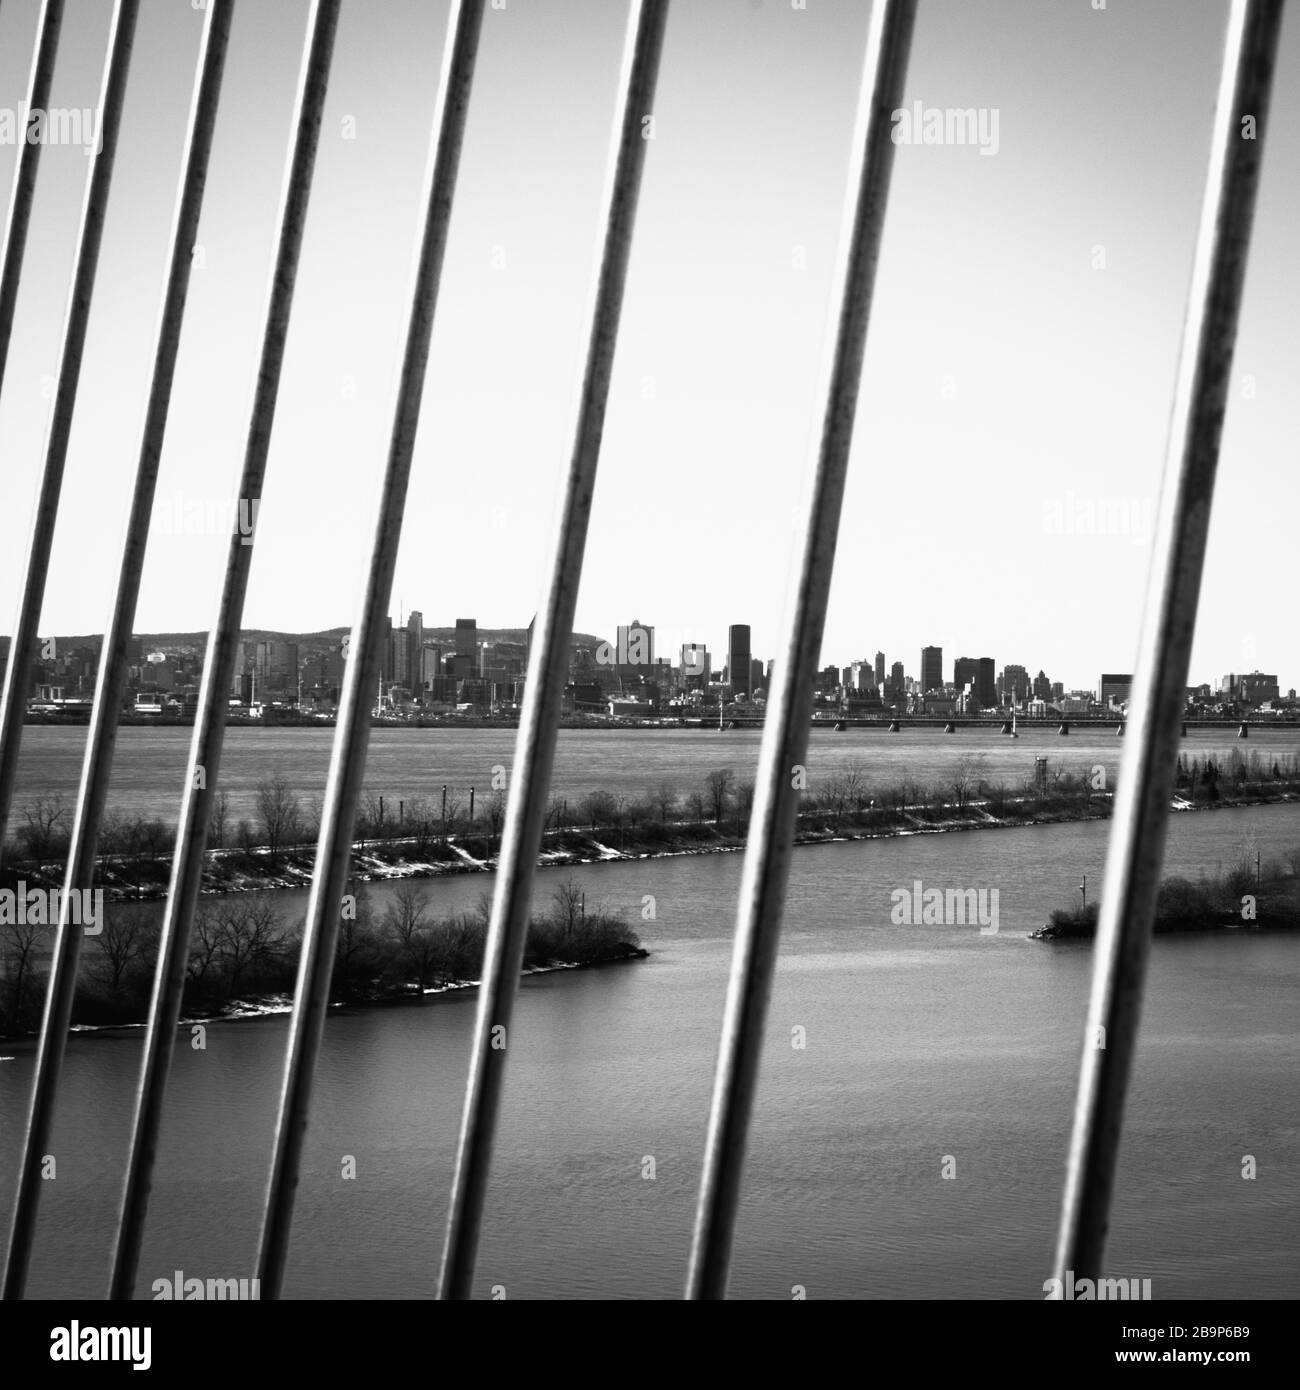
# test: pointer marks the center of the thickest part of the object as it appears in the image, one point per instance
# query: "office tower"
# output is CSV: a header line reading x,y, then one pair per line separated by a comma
x,y
738,658
636,649
467,637
696,665
880,668
897,680
979,672
931,668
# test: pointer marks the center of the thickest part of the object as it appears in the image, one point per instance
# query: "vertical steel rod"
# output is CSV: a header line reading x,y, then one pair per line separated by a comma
x,y
1137,840
13,704
222,648
548,667
785,730
352,735
49,21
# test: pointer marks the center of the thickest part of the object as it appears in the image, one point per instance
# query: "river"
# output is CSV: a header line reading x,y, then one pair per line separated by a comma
x,y
923,1046
150,766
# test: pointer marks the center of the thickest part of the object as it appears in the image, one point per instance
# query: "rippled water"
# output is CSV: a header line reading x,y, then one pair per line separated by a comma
x,y
922,1042
150,765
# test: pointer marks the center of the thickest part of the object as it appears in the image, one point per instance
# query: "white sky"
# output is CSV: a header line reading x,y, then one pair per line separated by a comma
x,y
1059,375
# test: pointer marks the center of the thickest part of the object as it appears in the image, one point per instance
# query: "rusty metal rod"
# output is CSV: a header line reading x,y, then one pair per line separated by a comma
x,y
90,234
1137,839
62,985
352,734
785,730
49,22
544,691
223,647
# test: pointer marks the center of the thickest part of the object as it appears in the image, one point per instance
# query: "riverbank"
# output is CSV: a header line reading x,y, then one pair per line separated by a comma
x,y
143,876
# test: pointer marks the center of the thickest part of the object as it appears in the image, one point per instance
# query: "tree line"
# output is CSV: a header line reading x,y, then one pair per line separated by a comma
x,y
246,947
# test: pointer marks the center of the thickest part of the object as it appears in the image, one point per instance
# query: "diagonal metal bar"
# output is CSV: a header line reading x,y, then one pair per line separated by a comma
x,y
49,22
63,981
785,731
223,645
13,702
352,734
200,129
1137,840
526,807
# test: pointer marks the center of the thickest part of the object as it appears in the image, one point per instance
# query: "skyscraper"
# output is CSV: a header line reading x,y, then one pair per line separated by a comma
x,y
897,680
697,666
880,668
931,668
738,658
977,671
636,649
467,637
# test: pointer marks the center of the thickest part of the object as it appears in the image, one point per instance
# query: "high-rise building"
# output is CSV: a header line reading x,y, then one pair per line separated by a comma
x,y
696,665
978,672
931,668
897,680
880,668
415,630
467,637
1014,684
1042,687
430,664
1113,687
738,658
636,649
400,663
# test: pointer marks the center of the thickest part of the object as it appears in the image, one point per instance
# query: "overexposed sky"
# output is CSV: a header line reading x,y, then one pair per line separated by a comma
x,y
1011,388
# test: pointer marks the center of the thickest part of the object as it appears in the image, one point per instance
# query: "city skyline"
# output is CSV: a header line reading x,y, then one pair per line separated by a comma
x,y
1011,429
626,650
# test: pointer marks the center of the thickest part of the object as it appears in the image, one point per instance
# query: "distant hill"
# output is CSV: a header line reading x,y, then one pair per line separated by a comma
x,y
503,636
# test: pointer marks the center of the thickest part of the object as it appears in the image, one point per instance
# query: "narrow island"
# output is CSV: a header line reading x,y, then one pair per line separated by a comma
x,y
1264,897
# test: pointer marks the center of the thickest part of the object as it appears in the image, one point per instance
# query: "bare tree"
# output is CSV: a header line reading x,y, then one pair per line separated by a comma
x,y
44,828
717,787
251,941
218,814
280,813
568,906
599,808
744,805
20,951
205,945
124,939
354,949
664,800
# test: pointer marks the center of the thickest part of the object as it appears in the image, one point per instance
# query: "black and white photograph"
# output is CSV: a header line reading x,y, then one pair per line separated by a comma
x,y
648,651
